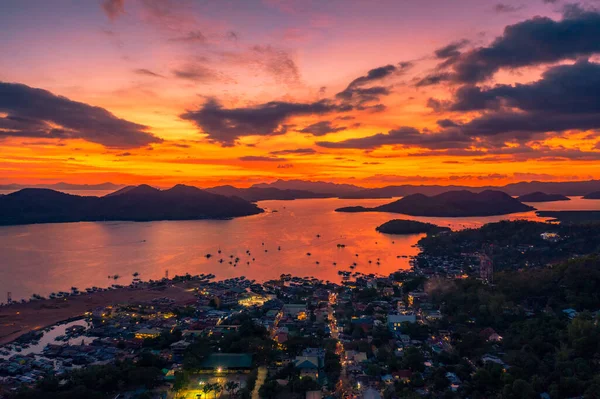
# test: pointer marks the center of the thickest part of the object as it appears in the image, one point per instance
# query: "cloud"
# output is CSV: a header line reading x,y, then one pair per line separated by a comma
x,y
147,72
191,37
278,63
113,8
539,40
297,151
252,158
322,128
567,97
356,91
199,73
227,125
404,136
507,8
451,50
37,113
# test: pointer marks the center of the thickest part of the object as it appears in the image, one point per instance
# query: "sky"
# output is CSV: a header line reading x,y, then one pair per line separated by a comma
x,y
369,92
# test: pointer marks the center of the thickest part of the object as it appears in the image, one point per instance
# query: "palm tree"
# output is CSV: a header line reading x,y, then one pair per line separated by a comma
x,y
206,388
230,387
216,389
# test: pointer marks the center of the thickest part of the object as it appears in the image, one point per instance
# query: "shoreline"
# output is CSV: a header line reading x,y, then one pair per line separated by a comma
x,y
18,319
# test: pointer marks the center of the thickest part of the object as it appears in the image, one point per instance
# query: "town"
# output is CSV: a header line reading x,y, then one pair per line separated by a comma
x,y
449,327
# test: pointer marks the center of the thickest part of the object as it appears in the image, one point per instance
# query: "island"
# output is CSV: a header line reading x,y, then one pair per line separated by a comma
x,y
403,226
539,196
461,203
132,203
594,195
571,217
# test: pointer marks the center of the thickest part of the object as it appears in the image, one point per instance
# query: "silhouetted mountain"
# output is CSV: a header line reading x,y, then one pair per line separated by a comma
x,y
63,186
142,189
451,204
538,196
254,194
137,203
521,188
319,187
402,226
594,195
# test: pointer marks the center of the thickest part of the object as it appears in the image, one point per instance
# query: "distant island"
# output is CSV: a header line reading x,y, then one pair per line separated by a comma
x,y
539,196
451,204
594,195
403,226
572,217
132,203
254,194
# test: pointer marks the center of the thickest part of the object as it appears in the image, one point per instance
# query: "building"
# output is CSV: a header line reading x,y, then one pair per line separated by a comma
x,y
227,362
395,320
486,268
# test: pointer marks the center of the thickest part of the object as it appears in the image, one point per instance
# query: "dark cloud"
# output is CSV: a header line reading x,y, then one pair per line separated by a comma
x,y
147,72
285,166
451,50
535,41
190,37
356,91
445,123
297,151
567,97
506,8
113,8
198,73
433,79
322,128
252,158
37,113
403,136
226,125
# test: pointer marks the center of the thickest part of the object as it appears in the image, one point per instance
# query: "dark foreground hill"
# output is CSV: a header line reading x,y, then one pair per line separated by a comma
x,y
539,196
451,204
133,203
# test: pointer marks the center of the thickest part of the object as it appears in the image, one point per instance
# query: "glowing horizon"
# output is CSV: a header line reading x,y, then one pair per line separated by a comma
x,y
242,92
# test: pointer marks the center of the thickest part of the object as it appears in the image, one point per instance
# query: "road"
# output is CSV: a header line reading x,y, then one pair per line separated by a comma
x,y
260,380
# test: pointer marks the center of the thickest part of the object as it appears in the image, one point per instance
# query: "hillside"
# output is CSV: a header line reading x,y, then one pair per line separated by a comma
x,y
136,203
539,196
451,204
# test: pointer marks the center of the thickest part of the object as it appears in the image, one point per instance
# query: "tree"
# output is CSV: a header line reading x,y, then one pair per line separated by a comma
x,y
217,388
230,387
206,388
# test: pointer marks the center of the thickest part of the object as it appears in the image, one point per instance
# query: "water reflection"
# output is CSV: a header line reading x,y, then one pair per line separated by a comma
x,y
55,257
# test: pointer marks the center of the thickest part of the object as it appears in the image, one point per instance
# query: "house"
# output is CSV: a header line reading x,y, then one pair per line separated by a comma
x,y
225,362
308,366
490,335
402,375
571,313
395,320
145,333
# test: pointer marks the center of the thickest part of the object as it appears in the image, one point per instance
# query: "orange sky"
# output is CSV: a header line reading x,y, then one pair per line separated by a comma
x,y
149,63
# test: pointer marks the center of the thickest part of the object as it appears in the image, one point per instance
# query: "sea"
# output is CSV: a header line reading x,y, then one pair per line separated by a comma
x,y
298,237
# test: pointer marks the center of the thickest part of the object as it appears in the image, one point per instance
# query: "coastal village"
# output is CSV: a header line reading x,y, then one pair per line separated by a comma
x,y
369,336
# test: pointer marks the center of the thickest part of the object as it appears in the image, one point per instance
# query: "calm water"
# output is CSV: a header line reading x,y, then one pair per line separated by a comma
x,y
54,257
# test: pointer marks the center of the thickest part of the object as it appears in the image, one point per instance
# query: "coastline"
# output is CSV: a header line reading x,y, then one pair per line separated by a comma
x,y
18,319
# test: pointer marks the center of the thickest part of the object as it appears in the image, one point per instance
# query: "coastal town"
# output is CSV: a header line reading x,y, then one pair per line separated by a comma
x,y
451,326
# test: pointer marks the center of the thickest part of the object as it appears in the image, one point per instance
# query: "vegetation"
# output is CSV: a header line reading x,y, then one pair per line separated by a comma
x,y
401,226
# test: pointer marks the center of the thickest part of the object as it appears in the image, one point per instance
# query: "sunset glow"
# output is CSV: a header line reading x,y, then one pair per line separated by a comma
x,y
240,92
